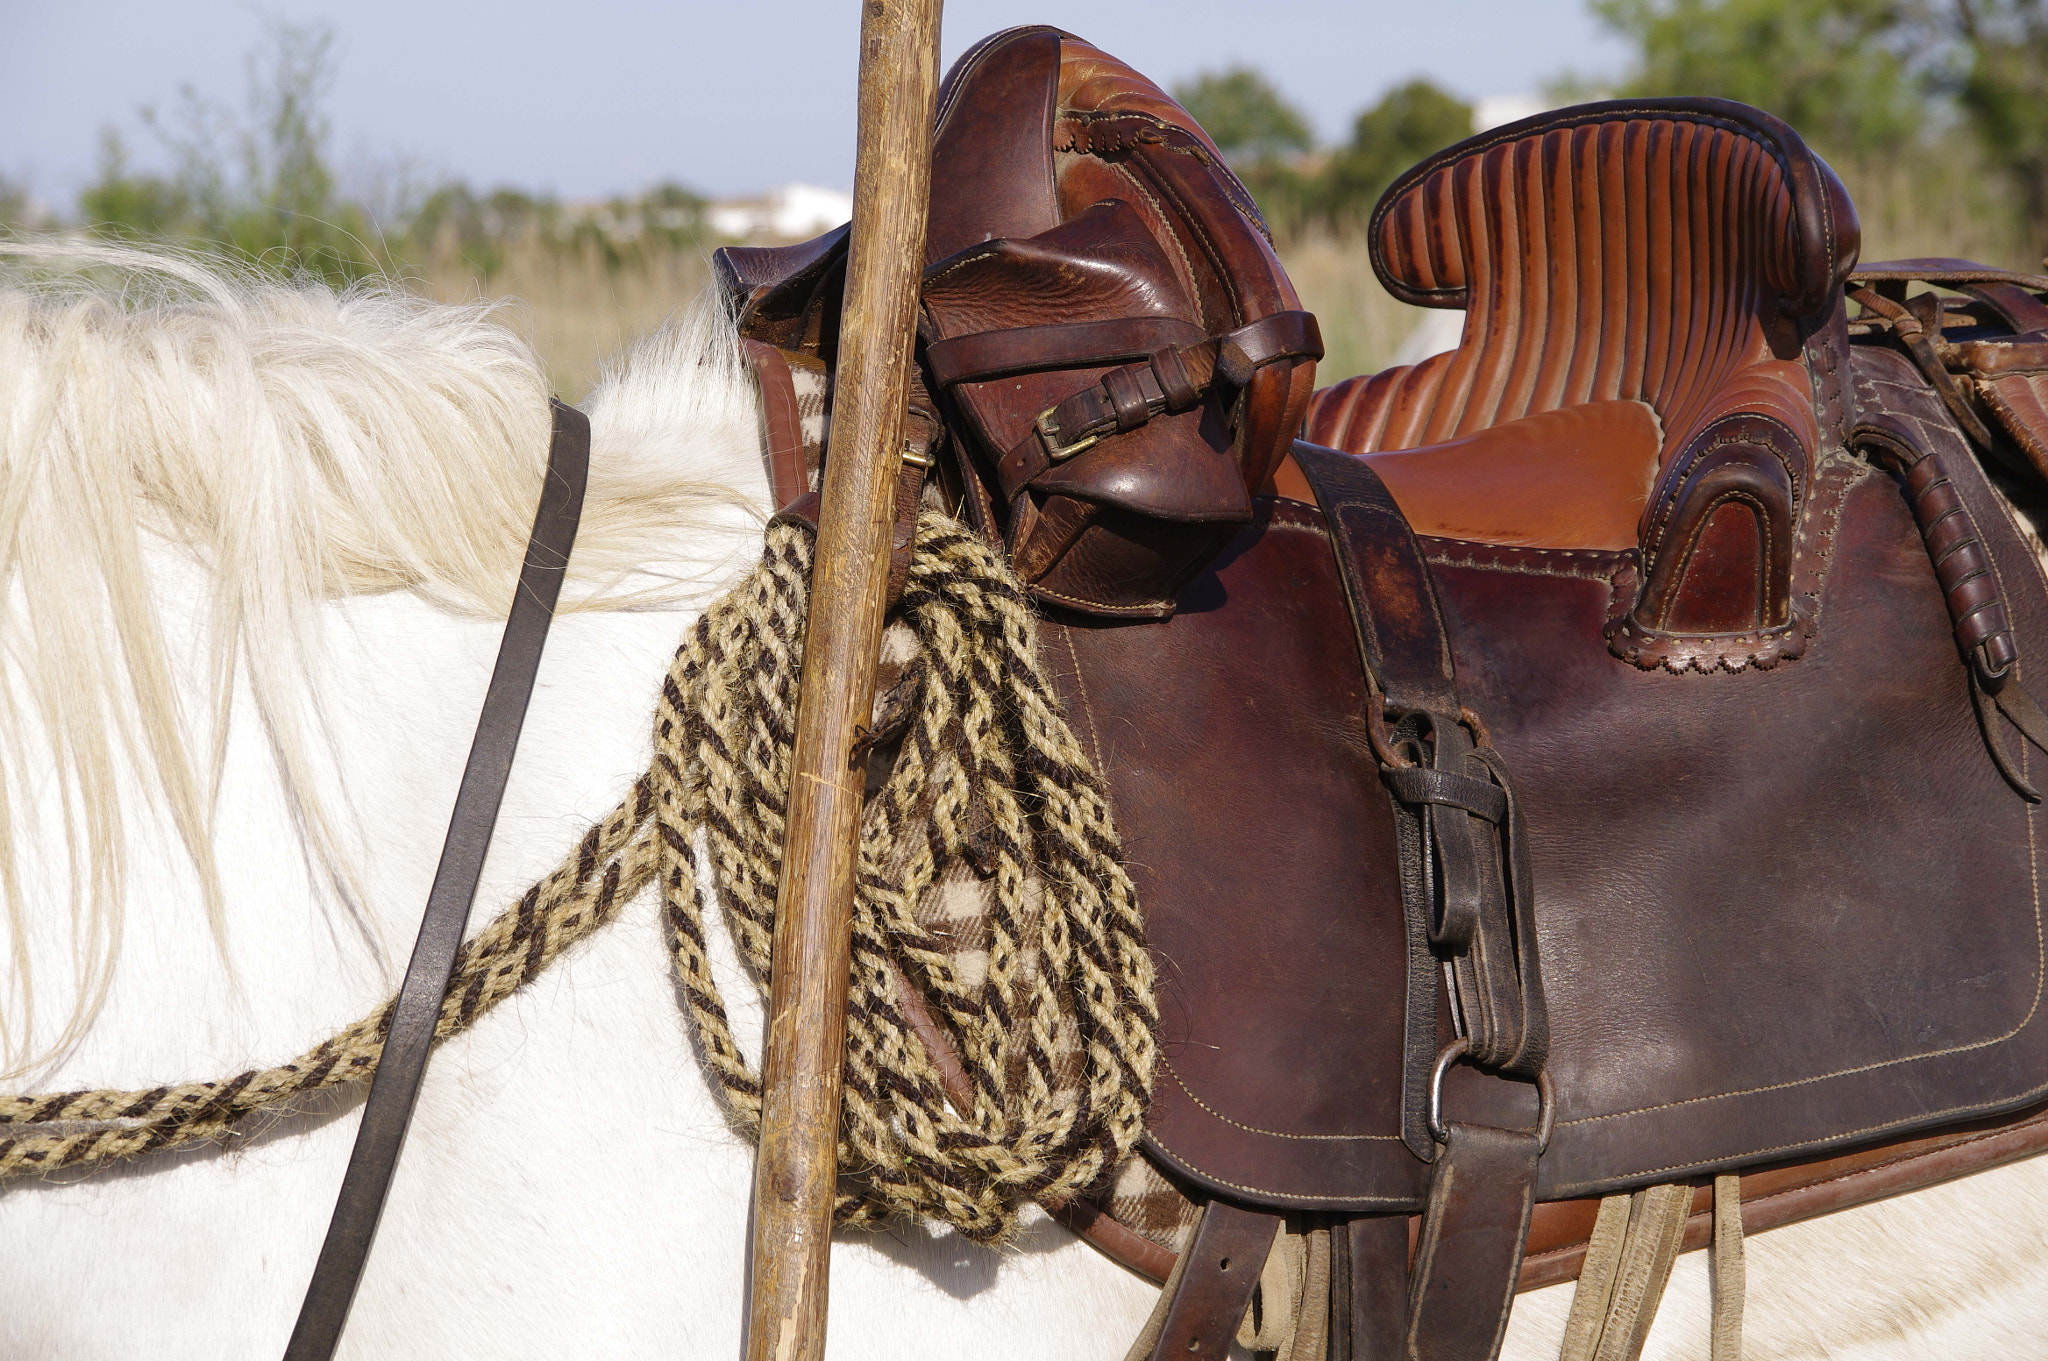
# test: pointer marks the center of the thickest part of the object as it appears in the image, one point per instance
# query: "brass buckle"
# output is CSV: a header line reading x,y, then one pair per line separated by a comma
x,y
1054,450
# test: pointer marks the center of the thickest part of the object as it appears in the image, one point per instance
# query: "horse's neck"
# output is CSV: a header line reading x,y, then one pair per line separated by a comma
x,y
310,946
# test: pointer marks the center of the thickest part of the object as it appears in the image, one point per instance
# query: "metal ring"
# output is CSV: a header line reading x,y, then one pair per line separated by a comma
x,y
1452,1052
1546,1096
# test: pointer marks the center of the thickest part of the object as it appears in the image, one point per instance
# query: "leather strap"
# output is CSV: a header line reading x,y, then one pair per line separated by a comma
x,y
1469,1254
788,477
1406,650
1171,379
983,355
418,1008
1474,887
1220,1270
1376,1301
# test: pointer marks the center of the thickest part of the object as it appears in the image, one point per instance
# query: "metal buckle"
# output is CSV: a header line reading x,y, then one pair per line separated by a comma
x,y
1546,1096
1054,450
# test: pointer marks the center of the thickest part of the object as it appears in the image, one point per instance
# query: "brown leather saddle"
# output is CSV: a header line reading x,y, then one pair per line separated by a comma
x,y
1598,757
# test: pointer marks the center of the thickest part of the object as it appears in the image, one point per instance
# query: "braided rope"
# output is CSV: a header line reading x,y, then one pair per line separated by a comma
x,y
1056,1036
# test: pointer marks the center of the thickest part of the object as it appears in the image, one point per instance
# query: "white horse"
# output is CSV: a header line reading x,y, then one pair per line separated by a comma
x,y
255,547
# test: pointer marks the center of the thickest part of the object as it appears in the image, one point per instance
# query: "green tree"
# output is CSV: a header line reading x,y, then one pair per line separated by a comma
x,y
259,183
2002,87
1245,116
1410,122
122,203
1850,75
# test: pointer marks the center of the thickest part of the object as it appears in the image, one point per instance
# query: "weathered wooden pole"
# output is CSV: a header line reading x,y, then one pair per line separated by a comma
x,y
796,1174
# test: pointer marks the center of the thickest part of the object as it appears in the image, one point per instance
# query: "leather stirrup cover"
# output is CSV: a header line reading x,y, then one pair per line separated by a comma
x,y
1082,225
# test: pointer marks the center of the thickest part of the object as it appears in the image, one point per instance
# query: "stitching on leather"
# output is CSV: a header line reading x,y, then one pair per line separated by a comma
x,y
1167,1064
1577,1247
1835,1140
2033,1008
1695,454
1149,609
1763,521
1398,1202
1603,562
1166,221
1087,707
1817,520
1916,398
1903,1160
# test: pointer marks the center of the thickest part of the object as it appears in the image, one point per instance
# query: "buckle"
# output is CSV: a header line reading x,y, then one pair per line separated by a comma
x,y
1546,1097
1054,450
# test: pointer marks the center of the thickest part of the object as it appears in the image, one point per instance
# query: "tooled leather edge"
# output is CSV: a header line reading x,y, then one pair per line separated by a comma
x,y
1813,548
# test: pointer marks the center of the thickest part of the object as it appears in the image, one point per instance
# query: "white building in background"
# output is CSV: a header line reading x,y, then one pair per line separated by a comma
x,y
1490,111
790,213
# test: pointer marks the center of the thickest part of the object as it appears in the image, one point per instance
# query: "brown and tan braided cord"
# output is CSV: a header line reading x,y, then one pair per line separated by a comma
x,y
1055,1034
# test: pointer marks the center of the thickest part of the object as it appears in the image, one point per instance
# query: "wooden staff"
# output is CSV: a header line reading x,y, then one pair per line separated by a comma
x,y
796,1175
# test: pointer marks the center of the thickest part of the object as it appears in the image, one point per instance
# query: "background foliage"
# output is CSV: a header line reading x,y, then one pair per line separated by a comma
x,y
1935,112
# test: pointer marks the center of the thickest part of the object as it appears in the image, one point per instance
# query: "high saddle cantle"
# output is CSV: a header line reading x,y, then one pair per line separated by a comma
x,y
1598,760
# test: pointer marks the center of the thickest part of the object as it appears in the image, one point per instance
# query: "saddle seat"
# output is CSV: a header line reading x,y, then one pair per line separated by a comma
x,y
1687,255
1576,477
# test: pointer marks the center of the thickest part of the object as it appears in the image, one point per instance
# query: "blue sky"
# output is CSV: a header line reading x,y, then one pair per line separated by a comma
x,y
587,99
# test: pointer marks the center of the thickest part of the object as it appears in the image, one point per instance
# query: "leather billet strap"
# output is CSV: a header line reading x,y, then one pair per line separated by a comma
x,y
982,355
1175,367
1475,877
1469,1255
1200,1308
1466,873
418,1007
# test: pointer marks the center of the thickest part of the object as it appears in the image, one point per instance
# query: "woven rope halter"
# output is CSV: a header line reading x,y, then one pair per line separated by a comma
x,y
1055,1037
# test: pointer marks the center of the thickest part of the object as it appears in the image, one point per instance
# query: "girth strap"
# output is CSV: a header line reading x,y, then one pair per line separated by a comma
x,y
418,1007
1211,1286
1470,1253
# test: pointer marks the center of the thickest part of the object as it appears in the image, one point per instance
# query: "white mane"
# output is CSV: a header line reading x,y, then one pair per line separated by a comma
x,y
159,415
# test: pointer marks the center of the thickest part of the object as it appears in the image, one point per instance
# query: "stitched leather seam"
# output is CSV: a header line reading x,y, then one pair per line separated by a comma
x,y
1167,1064
2040,975
1188,278
1691,458
1398,1202
1575,1248
1144,609
1903,1160
1088,708
1819,516
1763,523
1836,1140
1534,567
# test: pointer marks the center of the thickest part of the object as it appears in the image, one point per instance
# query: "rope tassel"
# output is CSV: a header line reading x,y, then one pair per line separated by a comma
x,y
1055,1035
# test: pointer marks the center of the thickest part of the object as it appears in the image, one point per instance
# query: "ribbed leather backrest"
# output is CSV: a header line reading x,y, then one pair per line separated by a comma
x,y
1622,250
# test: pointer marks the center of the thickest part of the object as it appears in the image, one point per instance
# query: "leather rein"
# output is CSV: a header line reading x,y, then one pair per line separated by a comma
x,y
417,1009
